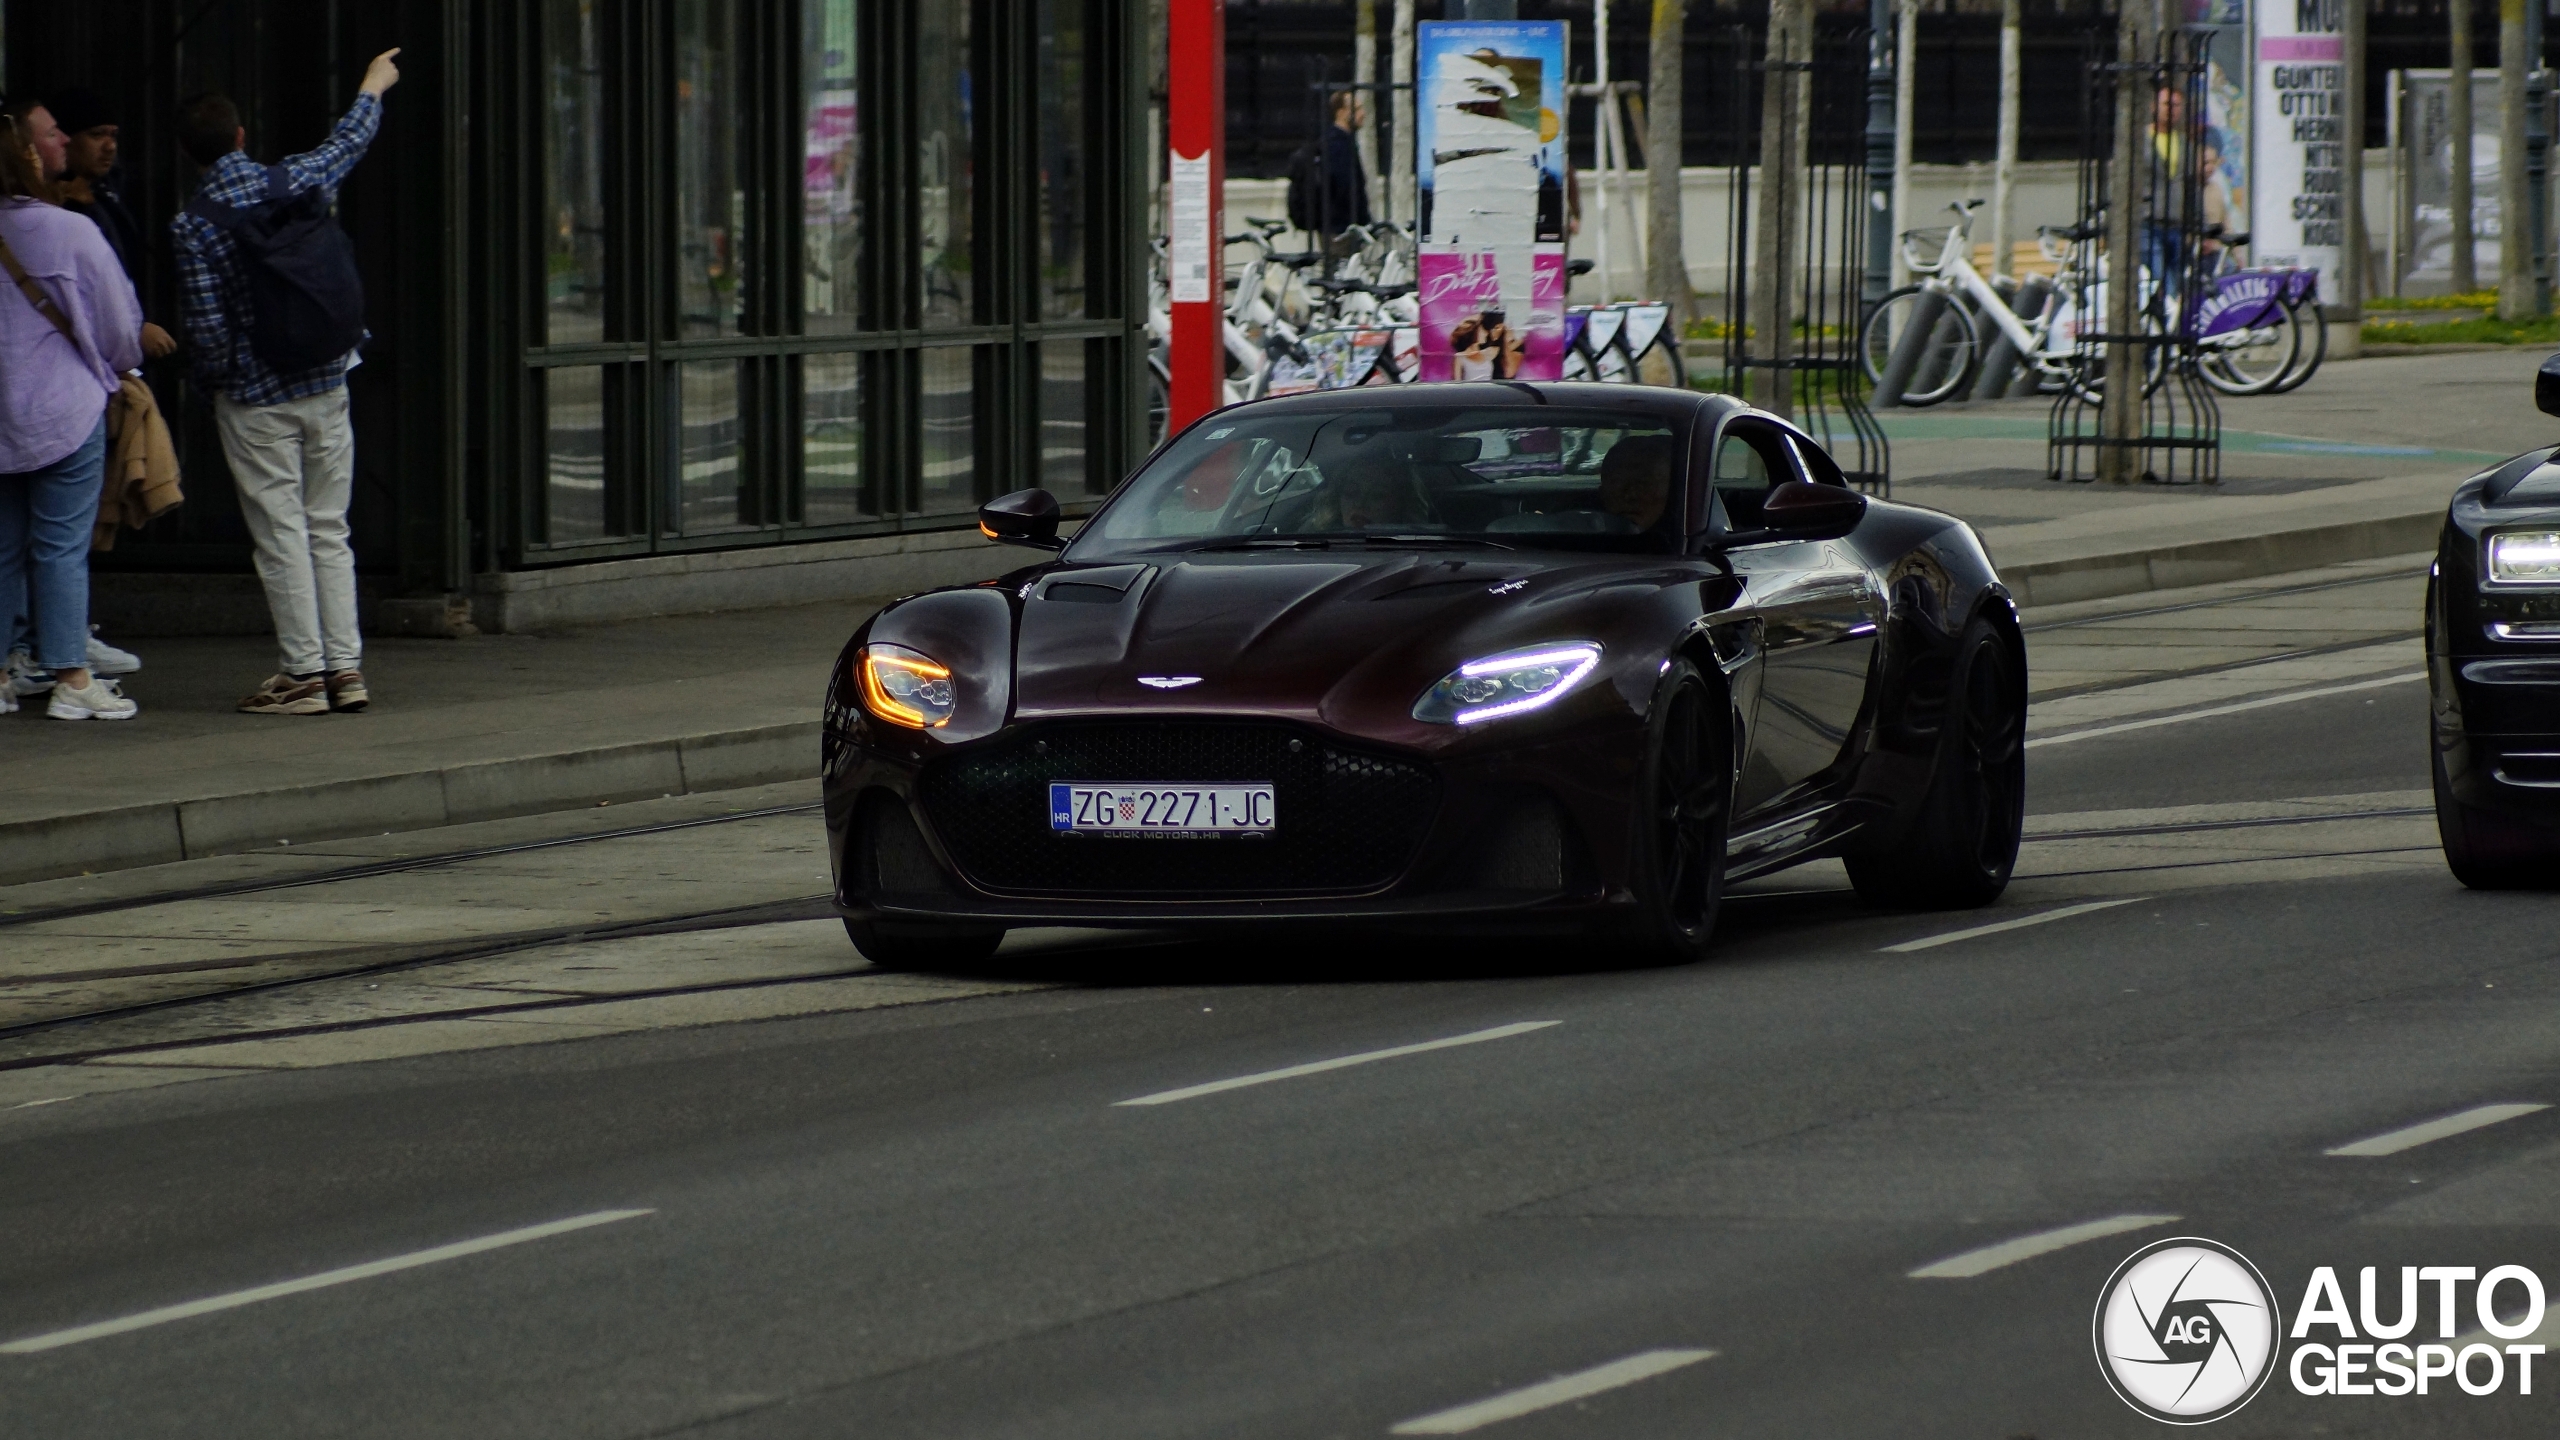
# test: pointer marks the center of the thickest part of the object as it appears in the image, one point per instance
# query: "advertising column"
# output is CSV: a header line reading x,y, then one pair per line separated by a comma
x,y
1489,157
2299,108
1196,131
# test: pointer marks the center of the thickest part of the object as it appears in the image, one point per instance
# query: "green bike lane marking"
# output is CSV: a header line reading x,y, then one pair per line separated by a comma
x,y
2032,427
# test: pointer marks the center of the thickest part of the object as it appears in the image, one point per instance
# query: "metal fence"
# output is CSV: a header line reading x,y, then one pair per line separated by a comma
x,y
2138,407
1797,238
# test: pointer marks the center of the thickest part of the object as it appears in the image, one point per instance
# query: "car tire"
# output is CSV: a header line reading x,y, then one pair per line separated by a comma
x,y
1957,852
1682,816
2487,851
892,946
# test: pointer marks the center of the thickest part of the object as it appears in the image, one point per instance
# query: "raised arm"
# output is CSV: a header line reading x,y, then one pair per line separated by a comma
x,y
326,168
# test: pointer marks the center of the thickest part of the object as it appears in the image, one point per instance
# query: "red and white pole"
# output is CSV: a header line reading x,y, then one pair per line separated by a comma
x,y
1195,201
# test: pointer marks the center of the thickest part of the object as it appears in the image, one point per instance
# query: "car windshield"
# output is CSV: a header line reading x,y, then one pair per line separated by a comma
x,y
1411,475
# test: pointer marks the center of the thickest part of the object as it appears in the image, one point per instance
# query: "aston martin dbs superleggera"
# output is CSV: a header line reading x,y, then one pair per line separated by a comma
x,y
1505,657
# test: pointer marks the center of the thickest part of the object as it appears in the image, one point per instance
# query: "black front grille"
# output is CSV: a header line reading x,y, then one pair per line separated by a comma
x,y
1348,821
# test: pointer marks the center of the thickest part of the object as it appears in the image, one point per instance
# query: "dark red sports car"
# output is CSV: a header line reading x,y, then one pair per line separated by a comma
x,y
1503,657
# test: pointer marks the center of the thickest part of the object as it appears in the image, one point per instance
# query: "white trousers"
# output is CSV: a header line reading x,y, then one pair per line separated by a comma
x,y
294,463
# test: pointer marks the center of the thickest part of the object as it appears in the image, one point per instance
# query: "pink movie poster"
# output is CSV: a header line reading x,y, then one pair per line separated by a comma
x,y
1472,331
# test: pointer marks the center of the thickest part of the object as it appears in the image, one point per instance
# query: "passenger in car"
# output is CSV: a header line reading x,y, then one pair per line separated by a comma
x,y
1635,479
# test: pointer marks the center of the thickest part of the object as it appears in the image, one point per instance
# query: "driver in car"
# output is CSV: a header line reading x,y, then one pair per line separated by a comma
x,y
1635,479
1370,495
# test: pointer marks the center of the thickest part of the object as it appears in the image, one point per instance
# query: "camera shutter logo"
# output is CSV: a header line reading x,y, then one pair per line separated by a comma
x,y
2187,1330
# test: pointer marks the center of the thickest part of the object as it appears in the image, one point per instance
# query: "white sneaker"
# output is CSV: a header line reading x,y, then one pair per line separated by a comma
x,y
105,659
25,676
97,701
8,699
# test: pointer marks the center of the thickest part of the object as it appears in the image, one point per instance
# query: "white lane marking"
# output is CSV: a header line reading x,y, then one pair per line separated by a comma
x,y
1952,936
1561,1390
32,1104
2028,1247
56,1339
2393,1142
1318,1067
2232,709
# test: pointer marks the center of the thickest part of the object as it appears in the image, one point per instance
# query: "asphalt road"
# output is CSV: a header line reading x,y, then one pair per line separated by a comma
x,y
942,1218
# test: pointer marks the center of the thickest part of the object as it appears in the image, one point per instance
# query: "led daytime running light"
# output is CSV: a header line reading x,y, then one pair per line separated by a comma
x,y
888,671
1565,666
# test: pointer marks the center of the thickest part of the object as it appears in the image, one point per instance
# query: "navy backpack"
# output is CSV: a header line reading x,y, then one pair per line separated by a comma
x,y
306,300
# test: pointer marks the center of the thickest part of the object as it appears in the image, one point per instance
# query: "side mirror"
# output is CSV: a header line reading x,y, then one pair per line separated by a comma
x,y
1800,507
1025,517
2546,387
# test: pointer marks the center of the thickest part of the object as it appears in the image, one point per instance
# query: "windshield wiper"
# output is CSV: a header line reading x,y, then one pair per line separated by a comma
x,y
1466,542
1263,542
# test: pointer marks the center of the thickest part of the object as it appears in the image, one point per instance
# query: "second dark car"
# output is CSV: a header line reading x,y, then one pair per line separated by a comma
x,y
1530,659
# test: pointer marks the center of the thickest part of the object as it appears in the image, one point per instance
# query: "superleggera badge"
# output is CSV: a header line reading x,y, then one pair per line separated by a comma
x,y
1506,587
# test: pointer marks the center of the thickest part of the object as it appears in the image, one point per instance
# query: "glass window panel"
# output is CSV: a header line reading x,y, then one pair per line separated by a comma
x,y
830,195
949,412
573,219
1062,179
573,454
711,201
711,474
945,140
1062,416
831,440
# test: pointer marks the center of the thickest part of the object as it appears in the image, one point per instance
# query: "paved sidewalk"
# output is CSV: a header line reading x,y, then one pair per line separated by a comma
x,y
2356,465
507,725
459,730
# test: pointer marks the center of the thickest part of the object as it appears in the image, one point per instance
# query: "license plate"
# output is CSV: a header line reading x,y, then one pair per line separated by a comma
x,y
1173,809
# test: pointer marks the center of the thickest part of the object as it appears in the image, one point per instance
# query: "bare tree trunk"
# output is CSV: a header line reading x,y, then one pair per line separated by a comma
x,y
1906,73
2004,164
2120,416
2516,300
1400,201
1667,270
2355,255
2457,94
1364,71
1781,208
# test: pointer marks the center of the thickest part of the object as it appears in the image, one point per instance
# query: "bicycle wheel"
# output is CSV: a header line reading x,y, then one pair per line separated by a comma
x,y
2308,355
2258,366
1159,404
1944,369
1660,364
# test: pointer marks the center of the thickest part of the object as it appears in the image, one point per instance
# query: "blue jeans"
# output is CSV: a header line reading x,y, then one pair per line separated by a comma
x,y
2164,254
45,519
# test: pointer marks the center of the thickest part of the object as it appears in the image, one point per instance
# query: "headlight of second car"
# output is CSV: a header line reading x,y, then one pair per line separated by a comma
x,y
906,688
2525,557
1508,684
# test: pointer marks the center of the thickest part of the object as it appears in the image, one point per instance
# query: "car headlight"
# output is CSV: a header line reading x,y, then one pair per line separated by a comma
x,y
1507,684
905,688
2525,556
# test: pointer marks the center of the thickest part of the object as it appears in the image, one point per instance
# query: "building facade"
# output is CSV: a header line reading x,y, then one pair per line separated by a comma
x,y
665,290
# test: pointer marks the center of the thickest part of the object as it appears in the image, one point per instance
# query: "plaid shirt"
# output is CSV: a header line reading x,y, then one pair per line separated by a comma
x,y
215,282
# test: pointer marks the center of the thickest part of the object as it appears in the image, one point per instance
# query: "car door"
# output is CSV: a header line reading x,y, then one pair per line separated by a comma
x,y
1818,610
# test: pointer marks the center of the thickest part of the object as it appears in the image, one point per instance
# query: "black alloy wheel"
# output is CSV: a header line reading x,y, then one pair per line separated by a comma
x,y
1957,852
1679,856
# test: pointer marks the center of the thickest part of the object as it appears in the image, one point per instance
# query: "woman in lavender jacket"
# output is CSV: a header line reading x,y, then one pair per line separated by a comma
x,y
53,420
